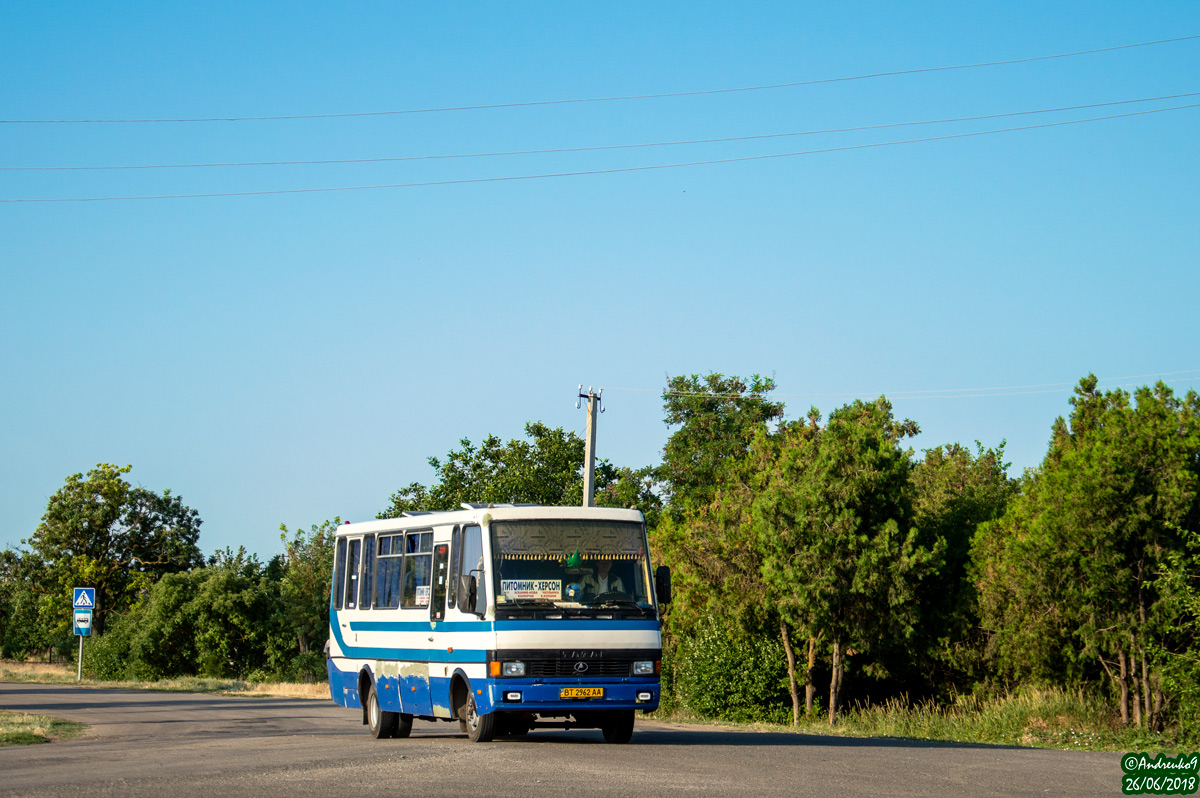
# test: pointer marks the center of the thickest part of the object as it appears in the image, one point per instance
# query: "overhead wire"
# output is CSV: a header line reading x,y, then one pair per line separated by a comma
x,y
591,172
616,98
605,147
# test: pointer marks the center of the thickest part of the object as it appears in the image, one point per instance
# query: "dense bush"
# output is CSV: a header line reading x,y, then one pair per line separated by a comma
x,y
107,656
725,674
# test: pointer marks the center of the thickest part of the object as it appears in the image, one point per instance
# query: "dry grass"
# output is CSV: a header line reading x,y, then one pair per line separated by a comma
x,y
318,690
44,673
38,672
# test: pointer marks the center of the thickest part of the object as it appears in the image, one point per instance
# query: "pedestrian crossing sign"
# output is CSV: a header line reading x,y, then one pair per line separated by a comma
x,y
85,598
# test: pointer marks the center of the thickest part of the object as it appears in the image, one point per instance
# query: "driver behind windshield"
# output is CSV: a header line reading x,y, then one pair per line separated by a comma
x,y
601,582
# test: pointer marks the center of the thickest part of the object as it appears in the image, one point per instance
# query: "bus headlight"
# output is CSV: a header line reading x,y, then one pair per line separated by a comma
x,y
514,669
643,668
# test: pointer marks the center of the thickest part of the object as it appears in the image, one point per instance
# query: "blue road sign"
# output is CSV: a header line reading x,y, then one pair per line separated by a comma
x,y
85,598
83,622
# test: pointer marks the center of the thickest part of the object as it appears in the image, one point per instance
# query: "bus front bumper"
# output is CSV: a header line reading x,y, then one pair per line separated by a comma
x,y
528,695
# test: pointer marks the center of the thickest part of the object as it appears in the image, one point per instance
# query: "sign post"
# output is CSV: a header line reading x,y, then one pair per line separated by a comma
x,y
83,602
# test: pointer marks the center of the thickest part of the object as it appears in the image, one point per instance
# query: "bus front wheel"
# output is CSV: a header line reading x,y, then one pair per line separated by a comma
x,y
481,728
618,726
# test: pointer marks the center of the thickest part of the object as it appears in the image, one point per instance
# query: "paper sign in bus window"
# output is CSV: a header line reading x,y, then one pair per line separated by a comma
x,y
516,589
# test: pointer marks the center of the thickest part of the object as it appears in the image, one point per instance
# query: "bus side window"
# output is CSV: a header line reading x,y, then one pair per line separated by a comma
x,y
368,573
387,577
472,564
339,573
352,574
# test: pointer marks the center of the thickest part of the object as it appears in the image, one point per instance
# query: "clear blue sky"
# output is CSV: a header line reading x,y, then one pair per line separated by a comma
x,y
293,357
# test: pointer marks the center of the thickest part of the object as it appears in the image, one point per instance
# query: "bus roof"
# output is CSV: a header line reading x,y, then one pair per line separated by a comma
x,y
485,513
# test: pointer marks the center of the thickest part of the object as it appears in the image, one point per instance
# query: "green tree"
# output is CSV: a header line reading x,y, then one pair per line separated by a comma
x,y
547,469
1179,652
715,569
100,531
701,532
718,584
832,517
954,491
304,601
632,488
1068,578
809,530
716,417
162,631
25,616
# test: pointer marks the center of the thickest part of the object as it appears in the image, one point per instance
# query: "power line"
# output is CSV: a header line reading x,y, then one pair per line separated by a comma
x,y
599,148
589,172
656,96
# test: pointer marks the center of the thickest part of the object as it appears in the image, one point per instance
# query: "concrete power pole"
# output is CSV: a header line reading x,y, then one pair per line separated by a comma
x,y
595,406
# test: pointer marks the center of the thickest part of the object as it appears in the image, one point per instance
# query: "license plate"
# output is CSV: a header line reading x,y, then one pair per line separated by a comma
x,y
581,692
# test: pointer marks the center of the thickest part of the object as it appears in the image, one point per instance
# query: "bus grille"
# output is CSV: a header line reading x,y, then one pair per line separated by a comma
x,y
566,667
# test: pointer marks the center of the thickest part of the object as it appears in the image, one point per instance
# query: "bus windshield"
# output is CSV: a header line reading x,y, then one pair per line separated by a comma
x,y
571,564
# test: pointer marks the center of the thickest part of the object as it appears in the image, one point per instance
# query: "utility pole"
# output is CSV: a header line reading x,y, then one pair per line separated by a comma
x,y
595,406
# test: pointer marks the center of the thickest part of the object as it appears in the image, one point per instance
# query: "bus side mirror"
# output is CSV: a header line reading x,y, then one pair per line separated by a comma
x,y
662,584
468,593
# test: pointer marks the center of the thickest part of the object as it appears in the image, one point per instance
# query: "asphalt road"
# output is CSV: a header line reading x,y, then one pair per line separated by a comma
x,y
174,744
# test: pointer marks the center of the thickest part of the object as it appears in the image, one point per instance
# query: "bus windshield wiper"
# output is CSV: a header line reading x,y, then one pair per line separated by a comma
x,y
629,603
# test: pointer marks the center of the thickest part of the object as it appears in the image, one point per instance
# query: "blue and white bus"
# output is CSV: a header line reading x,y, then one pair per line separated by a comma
x,y
502,618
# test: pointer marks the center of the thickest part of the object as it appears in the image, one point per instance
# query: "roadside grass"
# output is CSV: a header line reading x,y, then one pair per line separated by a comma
x,y
39,672
1032,718
19,728
44,673
1036,718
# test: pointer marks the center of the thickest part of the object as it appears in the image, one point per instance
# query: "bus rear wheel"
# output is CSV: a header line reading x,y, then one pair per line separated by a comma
x,y
403,726
383,724
618,726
